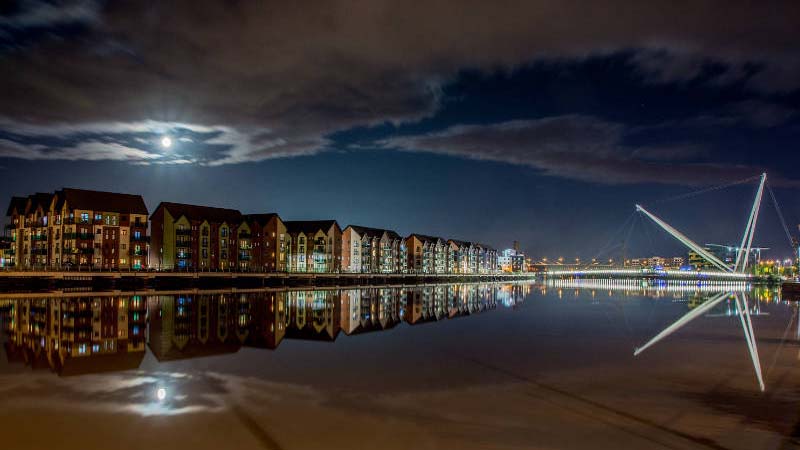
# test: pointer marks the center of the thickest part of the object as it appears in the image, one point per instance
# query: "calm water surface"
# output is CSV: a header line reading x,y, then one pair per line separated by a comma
x,y
523,365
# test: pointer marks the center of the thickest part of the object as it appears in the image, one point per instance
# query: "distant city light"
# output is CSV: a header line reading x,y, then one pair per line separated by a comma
x,y
166,142
161,394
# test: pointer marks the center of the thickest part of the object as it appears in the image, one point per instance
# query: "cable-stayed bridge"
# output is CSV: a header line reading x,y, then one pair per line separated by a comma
x,y
717,268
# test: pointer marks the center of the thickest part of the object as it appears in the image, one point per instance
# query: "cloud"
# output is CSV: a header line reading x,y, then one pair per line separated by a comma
x,y
573,146
277,80
41,14
139,142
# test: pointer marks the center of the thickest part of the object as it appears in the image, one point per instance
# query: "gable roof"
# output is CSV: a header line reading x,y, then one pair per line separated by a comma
x,y
374,232
18,204
309,226
261,219
102,201
38,199
196,212
429,239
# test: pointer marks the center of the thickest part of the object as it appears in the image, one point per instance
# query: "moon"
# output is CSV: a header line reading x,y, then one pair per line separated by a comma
x,y
161,394
166,142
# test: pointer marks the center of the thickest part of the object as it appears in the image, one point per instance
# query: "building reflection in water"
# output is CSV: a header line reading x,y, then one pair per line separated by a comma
x,y
75,334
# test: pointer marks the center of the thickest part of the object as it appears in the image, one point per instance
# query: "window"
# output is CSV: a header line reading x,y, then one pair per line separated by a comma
x,y
223,232
137,234
84,217
98,217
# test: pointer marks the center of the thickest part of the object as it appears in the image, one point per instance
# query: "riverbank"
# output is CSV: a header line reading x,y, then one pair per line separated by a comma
x,y
57,280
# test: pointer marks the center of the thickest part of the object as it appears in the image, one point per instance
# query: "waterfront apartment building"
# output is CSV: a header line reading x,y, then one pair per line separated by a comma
x,y
427,254
195,237
372,250
270,241
470,258
77,227
314,246
511,260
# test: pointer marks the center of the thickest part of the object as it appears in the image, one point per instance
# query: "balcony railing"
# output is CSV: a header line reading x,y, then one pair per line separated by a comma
x,y
86,251
140,238
140,252
38,237
39,251
183,232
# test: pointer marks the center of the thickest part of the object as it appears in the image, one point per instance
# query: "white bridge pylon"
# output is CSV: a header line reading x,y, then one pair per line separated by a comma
x,y
740,266
743,252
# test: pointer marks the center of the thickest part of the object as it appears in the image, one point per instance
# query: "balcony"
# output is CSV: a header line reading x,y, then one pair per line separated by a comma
x,y
245,257
184,232
86,251
245,235
69,235
39,251
140,252
140,238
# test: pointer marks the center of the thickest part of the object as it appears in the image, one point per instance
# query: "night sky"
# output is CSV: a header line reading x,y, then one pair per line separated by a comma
x,y
543,122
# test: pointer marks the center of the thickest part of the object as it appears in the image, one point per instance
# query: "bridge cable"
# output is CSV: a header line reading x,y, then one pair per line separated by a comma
x,y
608,246
780,216
706,190
628,237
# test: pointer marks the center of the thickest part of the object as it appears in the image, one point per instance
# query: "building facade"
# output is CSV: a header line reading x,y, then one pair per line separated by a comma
x,y
314,246
427,254
270,241
372,250
191,237
76,227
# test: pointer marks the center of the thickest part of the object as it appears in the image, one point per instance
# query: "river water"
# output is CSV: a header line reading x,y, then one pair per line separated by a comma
x,y
546,364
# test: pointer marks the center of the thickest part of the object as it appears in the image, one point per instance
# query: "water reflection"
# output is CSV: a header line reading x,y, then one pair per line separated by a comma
x,y
705,298
61,333
742,306
79,334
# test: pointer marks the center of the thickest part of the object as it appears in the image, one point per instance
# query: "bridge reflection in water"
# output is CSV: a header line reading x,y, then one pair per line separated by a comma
x,y
78,334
